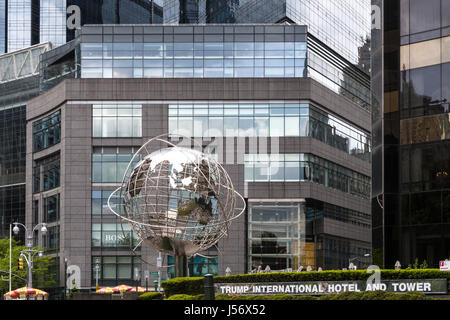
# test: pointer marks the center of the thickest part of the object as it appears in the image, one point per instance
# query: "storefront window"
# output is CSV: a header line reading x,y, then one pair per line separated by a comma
x,y
276,236
115,270
113,235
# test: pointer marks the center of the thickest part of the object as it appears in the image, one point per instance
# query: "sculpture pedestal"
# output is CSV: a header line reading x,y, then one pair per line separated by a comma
x,y
181,266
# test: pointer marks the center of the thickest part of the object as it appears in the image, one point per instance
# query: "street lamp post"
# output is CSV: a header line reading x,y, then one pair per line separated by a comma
x,y
351,265
28,254
65,276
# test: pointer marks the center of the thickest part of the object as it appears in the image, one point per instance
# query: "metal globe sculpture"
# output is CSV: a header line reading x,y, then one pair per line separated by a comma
x,y
177,200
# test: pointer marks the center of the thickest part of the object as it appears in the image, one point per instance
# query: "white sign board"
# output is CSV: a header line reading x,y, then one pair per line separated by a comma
x,y
444,265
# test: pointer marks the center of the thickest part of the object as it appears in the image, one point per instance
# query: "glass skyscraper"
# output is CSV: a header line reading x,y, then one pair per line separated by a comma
x,y
342,25
27,22
411,95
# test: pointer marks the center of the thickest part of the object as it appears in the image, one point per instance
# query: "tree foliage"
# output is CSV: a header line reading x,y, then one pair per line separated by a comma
x,y
43,276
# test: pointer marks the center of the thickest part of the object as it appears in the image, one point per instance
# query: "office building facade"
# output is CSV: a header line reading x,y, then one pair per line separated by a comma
x,y
297,149
411,94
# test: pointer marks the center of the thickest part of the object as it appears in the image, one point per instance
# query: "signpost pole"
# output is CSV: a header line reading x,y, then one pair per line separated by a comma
x,y
209,287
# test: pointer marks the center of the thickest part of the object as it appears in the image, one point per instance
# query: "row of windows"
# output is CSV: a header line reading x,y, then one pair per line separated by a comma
x,y
267,120
313,210
319,210
168,60
193,63
305,167
207,50
194,72
47,131
117,120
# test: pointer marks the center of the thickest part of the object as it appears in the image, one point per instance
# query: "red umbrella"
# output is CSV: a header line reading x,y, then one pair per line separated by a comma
x,y
24,291
12,294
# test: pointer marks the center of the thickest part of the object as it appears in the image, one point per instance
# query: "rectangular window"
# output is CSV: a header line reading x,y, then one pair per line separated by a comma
x,y
51,239
113,236
51,209
108,166
117,120
46,173
100,202
115,269
47,131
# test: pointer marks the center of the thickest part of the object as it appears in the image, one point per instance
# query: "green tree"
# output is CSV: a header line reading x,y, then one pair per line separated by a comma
x,y
42,275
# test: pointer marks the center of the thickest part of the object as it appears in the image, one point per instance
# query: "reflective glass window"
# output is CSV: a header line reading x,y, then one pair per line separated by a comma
x,y
307,167
47,131
424,15
269,120
46,173
116,120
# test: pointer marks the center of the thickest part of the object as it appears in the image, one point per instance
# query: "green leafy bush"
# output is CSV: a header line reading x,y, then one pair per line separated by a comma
x,y
261,297
151,296
186,297
193,286
187,286
375,295
372,295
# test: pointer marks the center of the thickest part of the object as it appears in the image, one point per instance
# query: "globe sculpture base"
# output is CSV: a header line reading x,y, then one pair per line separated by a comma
x,y
181,266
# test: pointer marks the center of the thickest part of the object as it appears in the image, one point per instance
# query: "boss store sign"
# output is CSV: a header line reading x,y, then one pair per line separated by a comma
x,y
430,286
